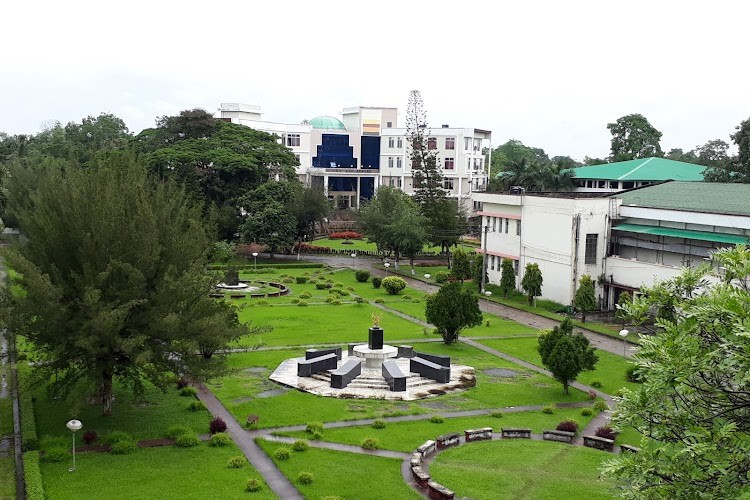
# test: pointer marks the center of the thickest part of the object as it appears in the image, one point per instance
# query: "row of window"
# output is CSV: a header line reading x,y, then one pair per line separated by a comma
x,y
496,225
448,163
493,259
395,182
432,143
597,184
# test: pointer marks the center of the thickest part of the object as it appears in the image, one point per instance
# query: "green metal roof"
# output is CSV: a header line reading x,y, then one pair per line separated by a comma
x,y
644,169
709,197
327,122
683,233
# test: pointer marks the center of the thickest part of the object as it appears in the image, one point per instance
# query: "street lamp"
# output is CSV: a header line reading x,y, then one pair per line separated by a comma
x,y
74,426
623,334
255,260
387,265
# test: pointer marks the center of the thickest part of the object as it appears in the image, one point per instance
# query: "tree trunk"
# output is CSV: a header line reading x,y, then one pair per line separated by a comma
x,y
565,387
583,316
396,256
106,391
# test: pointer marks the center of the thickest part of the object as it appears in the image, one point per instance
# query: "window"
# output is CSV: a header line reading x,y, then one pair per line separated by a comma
x,y
398,182
591,240
492,263
477,145
450,143
602,184
494,224
292,140
388,124
449,163
390,182
390,162
627,185
448,184
515,267
398,162
390,142
431,143
518,227
467,143
507,223
399,142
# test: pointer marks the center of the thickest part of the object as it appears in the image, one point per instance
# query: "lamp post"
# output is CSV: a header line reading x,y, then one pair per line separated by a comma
x,y
623,334
74,426
255,260
387,265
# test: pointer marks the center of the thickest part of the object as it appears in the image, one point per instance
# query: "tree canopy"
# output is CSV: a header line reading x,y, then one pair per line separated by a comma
x,y
452,309
115,281
532,282
585,298
729,169
566,354
634,137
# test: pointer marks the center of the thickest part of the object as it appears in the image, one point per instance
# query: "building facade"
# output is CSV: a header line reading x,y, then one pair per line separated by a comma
x,y
349,158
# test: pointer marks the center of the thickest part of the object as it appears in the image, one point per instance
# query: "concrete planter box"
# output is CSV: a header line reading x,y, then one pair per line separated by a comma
x,y
427,448
629,449
482,434
447,440
560,436
515,433
598,443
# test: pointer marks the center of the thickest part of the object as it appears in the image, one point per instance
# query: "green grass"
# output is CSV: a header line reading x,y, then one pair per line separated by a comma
x,y
350,476
364,245
166,473
522,469
238,390
406,436
610,369
7,478
6,417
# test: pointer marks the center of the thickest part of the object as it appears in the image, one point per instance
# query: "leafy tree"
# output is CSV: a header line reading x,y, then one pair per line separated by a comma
x,y
566,354
271,226
622,302
477,265
308,206
565,162
735,169
585,298
634,137
532,282
534,176
693,404
588,161
393,222
461,265
452,309
115,281
508,277
515,151
223,251
678,154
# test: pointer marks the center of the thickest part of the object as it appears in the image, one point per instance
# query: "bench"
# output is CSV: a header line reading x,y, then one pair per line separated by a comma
x,y
405,351
482,434
560,436
352,345
216,295
316,353
393,375
447,440
416,460
599,443
515,433
629,449
438,491
428,369
307,367
350,370
426,449
437,359
420,476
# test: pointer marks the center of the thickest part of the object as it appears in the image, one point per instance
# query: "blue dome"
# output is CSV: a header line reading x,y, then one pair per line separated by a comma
x,y
327,122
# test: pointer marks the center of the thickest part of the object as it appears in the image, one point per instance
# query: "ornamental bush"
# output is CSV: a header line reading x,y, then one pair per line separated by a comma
x,y
253,485
300,445
301,280
568,426
187,440
369,444
220,439
188,392
437,419
302,303
117,436
176,431
362,275
124,447
236,462
305,478
320,286
282,454
378,424
217,425
586,412
196,406
314,427
305,295
182,382
376,282
345,235
56,454
600,406
394,284
441,276
606,432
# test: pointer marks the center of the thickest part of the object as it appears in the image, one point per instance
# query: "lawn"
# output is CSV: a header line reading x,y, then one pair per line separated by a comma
x,y
166,473
366,246
541,470
406,436
349,476
7,479
610,369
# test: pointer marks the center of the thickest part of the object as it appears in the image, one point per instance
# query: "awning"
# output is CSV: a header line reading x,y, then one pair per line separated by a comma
x,y
683,233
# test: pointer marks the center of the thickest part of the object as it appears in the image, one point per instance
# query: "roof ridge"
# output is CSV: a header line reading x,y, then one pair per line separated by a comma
x,y
635,169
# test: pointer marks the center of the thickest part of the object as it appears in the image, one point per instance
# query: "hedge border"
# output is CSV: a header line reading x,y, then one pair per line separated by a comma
x,y
29,438
32,476
266,268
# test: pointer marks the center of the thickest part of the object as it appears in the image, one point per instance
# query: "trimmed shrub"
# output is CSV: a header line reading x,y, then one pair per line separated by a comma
x,y
117,437
176,431
496,414
586,412
300,445
305,295
187,440
301,280
378,424
359,300
188,392
416,301
320,286
549,410
56,454
124,447
196,406
288,280
32,476
253,485
220,439
345,235
369,444
314,427
282,454
49,442
437,419
305,478
596,384
606,432
376,282
316,436
262,302
362,276
336,302
217,425
568,426
28,424
407,297
441,276
295,301
379,301
90,437
350,288
302,303
600,406
237,462
393,284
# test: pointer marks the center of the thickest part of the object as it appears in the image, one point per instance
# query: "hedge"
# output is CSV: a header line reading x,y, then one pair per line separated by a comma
x,y
32,476
29,438
266,268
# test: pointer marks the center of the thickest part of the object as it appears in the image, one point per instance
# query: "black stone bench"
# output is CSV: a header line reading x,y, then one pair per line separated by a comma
x,y
216,295
405,351
427,448
447,440
515,433
485,433
560,436
393,375
341,377
352,345
435,358
420,476
307,367
625,448
431,370
438,491
316,353
599,443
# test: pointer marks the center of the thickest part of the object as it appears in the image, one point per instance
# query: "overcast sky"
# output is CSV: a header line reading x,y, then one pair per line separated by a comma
x,y
549,73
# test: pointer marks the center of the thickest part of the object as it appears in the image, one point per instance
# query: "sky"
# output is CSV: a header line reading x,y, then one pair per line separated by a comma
x,y
551,74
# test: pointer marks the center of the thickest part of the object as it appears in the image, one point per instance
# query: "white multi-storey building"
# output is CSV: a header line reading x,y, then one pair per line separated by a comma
x,y
350,158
